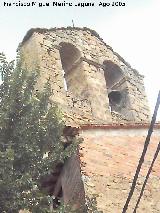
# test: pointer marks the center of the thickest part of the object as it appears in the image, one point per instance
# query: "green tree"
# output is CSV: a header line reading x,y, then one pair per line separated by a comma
x,y
31,139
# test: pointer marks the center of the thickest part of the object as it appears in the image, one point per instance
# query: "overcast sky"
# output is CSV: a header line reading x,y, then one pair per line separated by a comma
x,y
132,30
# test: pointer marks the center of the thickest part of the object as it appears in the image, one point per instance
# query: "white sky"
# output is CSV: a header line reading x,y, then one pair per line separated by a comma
x,y
133,31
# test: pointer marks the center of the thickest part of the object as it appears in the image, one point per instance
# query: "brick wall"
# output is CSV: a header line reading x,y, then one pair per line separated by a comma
x,y
109,159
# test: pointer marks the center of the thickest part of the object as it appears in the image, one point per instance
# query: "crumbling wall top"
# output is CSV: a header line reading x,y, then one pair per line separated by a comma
x,y
86,29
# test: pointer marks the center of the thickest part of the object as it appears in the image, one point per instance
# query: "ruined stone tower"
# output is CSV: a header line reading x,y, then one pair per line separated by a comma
x,y
88,78
99,92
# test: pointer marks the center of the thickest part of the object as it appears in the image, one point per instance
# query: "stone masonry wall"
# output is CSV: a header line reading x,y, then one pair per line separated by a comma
x,y
109,157
87,89
72,185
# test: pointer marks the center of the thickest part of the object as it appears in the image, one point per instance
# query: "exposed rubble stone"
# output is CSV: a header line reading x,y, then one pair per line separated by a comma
x,y
85,75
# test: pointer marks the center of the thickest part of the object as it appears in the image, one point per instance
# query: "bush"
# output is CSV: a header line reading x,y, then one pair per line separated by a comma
x,y
31,139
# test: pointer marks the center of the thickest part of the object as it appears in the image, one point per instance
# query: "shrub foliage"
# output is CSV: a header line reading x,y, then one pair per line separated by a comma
x,y
31,139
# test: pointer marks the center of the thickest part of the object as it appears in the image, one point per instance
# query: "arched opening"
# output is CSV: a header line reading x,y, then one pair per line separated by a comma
x,y
113,74
70,56
115,86
115,97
